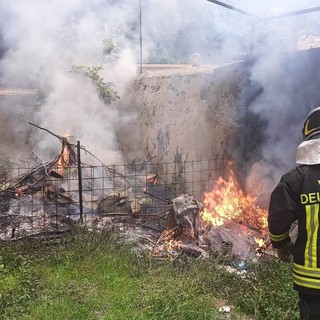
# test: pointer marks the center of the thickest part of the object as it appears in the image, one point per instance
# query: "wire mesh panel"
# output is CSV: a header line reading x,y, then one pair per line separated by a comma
x,y
47,199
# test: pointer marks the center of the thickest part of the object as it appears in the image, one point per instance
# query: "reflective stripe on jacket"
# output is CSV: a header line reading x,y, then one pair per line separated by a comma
x,y
297,197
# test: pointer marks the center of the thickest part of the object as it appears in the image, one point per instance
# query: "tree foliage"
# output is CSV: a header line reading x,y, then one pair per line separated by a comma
x,y
104,89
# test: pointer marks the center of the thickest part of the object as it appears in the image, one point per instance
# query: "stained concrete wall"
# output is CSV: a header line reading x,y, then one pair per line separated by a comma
x,y
186,116
190,114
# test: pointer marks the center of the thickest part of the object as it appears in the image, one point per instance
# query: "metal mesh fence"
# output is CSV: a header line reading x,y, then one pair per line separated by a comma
x,y
38,200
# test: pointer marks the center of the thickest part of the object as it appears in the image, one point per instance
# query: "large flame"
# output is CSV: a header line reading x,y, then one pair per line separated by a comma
x,y
228,202
63,159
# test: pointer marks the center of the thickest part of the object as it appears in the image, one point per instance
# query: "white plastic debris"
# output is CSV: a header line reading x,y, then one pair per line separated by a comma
x,y
224,309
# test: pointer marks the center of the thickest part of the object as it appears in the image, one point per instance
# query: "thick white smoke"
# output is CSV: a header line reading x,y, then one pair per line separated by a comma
x,y
45,38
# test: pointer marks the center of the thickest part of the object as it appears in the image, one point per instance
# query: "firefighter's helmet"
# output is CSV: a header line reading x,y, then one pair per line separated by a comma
x,y
311,127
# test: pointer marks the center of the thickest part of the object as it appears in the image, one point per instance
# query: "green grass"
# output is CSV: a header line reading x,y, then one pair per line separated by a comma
x,y
88,275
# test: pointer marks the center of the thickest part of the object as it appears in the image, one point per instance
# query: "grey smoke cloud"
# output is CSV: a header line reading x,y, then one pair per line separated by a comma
x,y
45,38
289,83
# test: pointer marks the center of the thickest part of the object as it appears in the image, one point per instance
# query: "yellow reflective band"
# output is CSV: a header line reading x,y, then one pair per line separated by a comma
x,y
305,271
312,225
306,129
309,283
279,237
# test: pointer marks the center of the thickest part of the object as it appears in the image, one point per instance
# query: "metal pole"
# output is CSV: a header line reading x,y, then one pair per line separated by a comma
x,y
263,19
80,182
260,19
290,14
219,3
140,24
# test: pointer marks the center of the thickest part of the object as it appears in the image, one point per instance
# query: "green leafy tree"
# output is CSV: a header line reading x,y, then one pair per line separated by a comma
x,y
104,89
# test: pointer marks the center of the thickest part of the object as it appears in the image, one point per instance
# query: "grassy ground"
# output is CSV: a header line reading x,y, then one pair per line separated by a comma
x,y
87,275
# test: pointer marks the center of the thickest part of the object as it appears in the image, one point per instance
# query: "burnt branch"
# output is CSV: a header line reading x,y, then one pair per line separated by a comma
x,y
55,135
67,155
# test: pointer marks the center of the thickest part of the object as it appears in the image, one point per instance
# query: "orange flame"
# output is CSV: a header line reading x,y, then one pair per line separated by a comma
x,y
228,202
63,159
64,155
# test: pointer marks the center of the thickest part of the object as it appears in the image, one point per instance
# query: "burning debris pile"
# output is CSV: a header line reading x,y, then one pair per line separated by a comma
x,y
54,196
233,219
29,201
226,222
45,198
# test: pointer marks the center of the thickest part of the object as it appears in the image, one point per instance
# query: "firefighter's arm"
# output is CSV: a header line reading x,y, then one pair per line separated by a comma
x,y
282,213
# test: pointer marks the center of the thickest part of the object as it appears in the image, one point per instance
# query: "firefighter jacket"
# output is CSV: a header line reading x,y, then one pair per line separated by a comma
x,y
297,197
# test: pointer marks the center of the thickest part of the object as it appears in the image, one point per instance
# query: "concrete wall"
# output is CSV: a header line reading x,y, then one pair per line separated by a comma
x,y
190,111
189,114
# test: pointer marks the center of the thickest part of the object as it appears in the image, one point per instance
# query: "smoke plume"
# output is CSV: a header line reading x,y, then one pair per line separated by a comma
x,y
42,40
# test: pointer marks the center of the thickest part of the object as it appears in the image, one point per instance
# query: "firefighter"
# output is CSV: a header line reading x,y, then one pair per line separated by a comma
x,y
296,198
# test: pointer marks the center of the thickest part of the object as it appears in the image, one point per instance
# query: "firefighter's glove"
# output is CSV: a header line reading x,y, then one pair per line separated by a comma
x,y
285,253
